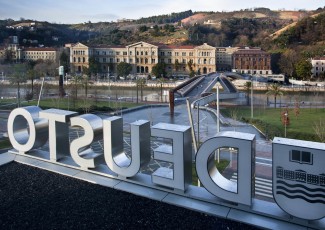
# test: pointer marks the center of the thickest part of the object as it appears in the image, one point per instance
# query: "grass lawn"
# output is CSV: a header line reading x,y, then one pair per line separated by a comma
x,y
68,104
221,166
301,126
5,144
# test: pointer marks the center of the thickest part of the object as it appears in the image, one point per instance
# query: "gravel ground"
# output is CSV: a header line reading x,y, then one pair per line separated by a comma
x,y
32,198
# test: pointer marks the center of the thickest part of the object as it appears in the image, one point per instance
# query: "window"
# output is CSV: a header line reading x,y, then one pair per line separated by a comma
x,y
153,60
184,61
169,61
125,53
146,53
117,53
130,60
191,54
176,53
117,60
183,53
301,157
162,53
130,52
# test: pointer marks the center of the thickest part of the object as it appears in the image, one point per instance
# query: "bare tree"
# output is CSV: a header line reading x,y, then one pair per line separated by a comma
x,y
319,129
17,78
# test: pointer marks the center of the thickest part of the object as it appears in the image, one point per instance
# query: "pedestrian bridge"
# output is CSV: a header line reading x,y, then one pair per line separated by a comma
x,y
198,89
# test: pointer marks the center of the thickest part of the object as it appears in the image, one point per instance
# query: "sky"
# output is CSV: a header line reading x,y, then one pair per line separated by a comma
x,y
79,11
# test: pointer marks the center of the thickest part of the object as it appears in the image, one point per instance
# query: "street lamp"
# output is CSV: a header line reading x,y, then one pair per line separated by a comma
x,y
285,123
252,109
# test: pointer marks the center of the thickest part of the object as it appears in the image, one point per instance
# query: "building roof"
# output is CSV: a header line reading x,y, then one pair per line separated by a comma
x,y
318,58
163,46
108,46
251,51
39,49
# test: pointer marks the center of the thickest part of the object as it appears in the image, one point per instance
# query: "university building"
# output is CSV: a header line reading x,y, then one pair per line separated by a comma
x,y
21,54
252,61
143,56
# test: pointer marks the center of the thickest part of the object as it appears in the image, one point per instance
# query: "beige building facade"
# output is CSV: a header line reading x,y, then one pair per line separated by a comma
x,y
143,56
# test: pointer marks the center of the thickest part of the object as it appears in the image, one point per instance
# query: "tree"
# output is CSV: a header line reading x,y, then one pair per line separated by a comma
x,y
65,61
94,66
247,87
76,81
124,69
319,129
31,75
275,90
143,28
159,70
161,82
8,56
303,69
190,67
18,77
176,65
287,62
141,82
85,79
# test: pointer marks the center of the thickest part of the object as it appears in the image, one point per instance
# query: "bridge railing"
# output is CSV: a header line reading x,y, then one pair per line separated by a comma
x,y
187,88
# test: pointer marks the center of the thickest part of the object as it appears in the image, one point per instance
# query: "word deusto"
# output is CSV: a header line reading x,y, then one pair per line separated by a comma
x,y
31,127
296,164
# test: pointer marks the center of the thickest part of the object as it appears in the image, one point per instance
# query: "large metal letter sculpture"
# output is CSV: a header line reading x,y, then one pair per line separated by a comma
x,y
299,177
211,178
80,149
180,154
58,131
115,156
26,130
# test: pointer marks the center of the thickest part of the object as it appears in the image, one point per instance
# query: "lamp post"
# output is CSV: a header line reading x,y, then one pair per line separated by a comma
x,y
285,123
252,109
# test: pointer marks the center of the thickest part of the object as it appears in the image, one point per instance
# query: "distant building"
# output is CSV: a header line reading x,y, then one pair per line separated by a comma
x,y
143,56
21,54
39,53
318,64
224,58
252,61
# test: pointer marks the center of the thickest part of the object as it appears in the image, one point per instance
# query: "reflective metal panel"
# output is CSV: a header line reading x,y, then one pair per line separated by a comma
x,y
211,178
180,155
26,130
59,121
80,149
115,156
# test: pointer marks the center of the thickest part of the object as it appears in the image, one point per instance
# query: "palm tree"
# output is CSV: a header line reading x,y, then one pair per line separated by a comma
x,y
275,90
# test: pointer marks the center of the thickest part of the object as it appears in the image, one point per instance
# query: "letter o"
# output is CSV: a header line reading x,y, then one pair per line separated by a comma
x,y
25,130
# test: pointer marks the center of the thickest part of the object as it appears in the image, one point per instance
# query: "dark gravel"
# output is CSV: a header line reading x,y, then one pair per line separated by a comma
x,y
32,198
